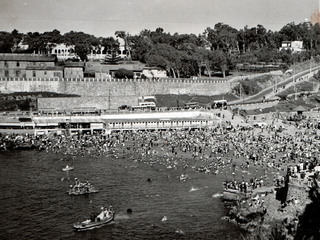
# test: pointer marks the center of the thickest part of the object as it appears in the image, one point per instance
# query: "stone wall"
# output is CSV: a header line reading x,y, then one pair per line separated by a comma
x,y
63,103
116,87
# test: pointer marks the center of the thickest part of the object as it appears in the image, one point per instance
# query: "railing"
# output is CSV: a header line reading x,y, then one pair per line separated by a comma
x,y
157,80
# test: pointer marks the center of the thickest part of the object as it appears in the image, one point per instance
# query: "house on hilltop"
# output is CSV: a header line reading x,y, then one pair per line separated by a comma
x,y
294,46
63,51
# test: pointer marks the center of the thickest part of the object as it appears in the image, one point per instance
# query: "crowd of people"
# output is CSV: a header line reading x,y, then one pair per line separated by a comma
x,y
218,150
81,188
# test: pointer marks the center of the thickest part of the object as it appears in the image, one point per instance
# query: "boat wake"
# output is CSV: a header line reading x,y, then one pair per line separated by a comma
x,y
217,195
193,189
121,216
179,231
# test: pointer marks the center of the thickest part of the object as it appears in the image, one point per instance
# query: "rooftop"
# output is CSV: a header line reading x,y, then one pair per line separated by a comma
x,y
74,64
26,57
47,68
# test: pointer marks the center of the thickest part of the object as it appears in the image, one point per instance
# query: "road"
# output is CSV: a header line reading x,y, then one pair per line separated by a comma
x,y
269,91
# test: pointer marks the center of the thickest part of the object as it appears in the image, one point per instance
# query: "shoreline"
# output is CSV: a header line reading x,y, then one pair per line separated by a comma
x,y
258,153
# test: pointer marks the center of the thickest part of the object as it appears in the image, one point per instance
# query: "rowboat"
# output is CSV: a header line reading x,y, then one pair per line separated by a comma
x,y
183,177
67,168
82,190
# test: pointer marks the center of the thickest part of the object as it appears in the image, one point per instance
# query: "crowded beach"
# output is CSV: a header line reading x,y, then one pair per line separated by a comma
x,y
249,156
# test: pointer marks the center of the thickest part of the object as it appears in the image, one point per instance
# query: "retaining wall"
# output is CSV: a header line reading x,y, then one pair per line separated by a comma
x,y
112,102
116,87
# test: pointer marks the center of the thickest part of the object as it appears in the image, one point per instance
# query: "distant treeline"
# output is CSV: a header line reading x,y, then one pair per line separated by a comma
x,y
219,48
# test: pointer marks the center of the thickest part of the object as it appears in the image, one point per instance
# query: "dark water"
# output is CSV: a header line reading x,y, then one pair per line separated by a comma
x,y
34,203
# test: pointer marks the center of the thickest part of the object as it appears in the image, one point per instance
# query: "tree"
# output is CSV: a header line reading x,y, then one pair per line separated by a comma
x,y
141,45
220,62
286,56
165,57
261,36
82,50
111,47
6,42
124,73
222,37
17,38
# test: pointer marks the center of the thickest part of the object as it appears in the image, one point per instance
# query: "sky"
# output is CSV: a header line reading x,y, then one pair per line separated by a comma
x,y
103,17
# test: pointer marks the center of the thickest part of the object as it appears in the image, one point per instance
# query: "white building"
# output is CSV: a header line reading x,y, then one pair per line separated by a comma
x,y
154,72
63,52
294,46
122,122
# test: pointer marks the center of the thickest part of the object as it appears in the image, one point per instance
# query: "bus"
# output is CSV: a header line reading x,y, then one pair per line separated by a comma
x,y
145,106
191,105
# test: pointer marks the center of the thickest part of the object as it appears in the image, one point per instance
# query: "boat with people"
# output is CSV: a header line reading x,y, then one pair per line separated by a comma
x,y
183,177
96,220
80,188
67,168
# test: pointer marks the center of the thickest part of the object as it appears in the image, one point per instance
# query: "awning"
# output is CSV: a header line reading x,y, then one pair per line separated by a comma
x,y
57,120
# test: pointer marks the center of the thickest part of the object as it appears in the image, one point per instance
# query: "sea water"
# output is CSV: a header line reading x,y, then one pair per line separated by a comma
x,y
34,203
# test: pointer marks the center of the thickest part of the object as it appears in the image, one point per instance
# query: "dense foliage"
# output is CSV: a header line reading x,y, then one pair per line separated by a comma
x,y
123,73
218,49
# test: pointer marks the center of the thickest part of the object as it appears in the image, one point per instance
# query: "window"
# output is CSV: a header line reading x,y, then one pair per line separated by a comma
x,y
33,73
57,74
45,73
18,64
5,64
6,73
18,72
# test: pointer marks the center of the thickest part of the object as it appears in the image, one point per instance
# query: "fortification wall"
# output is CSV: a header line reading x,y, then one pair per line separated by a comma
x,y
116,87
112,102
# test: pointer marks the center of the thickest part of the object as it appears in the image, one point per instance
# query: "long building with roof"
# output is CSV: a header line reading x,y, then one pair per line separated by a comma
x,y
70,124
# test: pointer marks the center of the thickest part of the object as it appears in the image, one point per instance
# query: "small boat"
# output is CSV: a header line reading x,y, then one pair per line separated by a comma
x,y
82,190
183,177
67,168
106,216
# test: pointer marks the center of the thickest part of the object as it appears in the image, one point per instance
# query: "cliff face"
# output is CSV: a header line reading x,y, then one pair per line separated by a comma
x,y
309,221
265,217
